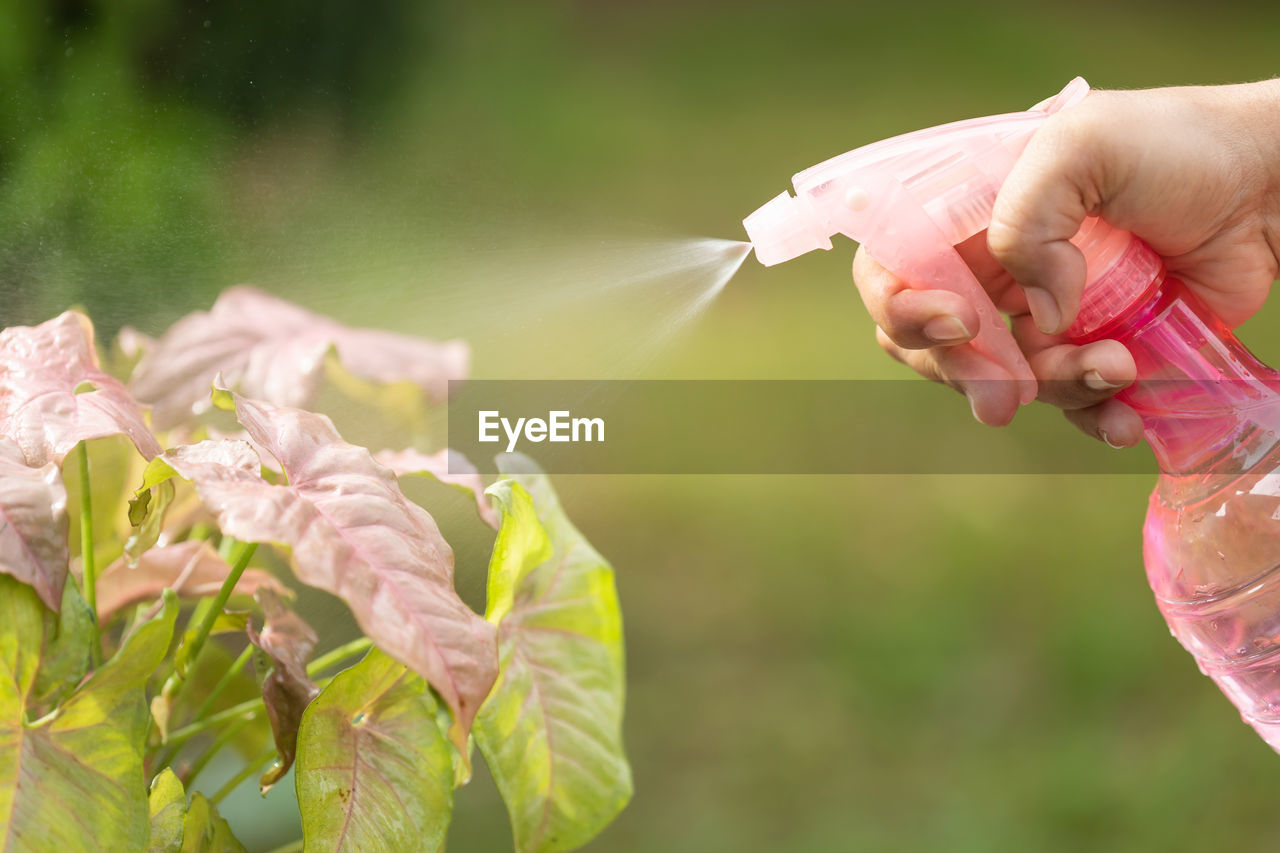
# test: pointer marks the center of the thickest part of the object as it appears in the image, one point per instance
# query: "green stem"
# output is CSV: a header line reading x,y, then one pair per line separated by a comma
x,y
220,601
173,684
249,769
249,708
86,549
227,678
213,748
339,654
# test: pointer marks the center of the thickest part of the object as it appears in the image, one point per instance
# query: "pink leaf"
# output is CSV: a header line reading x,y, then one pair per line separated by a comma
x,y
286,691
273,350
41,369
268,461
388,357
192,569
33,524
449,467
352,533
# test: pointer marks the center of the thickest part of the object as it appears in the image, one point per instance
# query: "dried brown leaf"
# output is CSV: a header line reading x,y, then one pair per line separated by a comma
x,y
287,691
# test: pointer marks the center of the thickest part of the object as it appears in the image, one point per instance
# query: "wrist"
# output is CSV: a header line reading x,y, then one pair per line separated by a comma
x,y
1254,116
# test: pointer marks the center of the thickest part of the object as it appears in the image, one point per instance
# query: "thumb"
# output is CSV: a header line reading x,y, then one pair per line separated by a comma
x,y
1041,205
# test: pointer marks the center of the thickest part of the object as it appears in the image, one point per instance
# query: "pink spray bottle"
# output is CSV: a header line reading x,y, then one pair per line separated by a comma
x,y
1210,409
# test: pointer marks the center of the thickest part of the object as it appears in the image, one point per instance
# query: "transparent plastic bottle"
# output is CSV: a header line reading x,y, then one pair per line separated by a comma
x,y
1211,414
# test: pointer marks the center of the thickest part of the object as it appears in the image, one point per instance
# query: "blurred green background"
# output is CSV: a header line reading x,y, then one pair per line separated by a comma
x,y
816,664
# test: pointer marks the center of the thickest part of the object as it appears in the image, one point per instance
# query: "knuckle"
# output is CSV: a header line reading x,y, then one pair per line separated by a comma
x,y
900,328
1067,394
1080,128
1009,238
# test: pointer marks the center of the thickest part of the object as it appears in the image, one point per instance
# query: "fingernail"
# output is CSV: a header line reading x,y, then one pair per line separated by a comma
x,y
1094,381
973,407
1102,433
1044,309
946,329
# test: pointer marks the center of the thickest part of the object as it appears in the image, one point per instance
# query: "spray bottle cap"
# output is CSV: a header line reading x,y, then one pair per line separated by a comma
x,y
911,199
1119,269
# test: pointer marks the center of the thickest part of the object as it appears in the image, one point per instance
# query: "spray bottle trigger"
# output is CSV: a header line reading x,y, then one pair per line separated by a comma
x,y
920,253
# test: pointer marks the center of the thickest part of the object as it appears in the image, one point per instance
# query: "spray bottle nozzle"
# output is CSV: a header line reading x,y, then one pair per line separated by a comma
x,y
780,230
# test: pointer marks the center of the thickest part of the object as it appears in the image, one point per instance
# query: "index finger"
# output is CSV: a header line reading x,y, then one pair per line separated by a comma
x,y
1040,207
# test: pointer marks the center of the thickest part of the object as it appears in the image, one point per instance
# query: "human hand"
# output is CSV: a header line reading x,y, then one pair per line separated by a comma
x,y
1194,171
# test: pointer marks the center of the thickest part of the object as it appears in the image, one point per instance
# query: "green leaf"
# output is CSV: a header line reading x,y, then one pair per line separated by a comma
x,y
168,806
147,508
72,780
374,771
179,828
146,515
204,831
551,730
222,398
67,650
139,507
157,471
521,545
